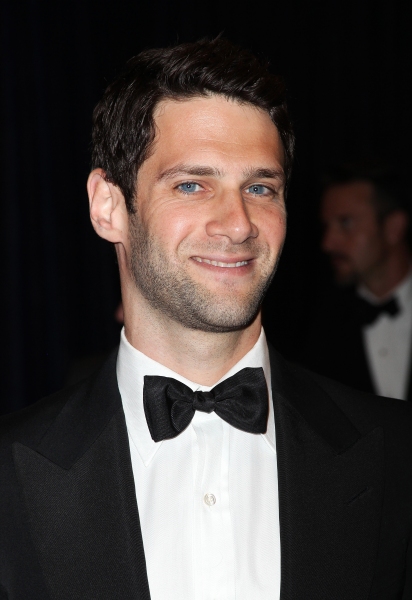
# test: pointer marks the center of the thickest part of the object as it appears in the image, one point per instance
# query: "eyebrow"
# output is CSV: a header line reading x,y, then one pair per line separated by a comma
x,y
195,170
262,173
205,171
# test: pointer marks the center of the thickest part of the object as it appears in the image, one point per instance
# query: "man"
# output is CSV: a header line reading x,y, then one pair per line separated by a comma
x,y
363,332
163,477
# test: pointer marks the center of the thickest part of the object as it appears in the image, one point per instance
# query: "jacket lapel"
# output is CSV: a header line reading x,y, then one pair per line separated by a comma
x,y
80,497
330,491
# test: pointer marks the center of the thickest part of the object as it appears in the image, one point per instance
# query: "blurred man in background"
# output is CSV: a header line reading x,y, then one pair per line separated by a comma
x,y
362,333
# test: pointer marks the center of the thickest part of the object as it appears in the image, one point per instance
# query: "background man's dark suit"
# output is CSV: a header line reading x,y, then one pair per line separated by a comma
x,y
69,522
333,344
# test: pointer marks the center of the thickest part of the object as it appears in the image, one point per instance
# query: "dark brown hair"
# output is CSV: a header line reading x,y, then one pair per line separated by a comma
x,y
123,123
388,193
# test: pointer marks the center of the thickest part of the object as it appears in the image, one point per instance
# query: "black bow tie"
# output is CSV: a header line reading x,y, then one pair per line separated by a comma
x,y
241,400
367,313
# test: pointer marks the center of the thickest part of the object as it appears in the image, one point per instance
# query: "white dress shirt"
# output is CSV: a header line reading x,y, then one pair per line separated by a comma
x,y
207,499
388,343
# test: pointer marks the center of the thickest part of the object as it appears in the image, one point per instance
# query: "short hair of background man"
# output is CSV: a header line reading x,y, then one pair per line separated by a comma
x,y
124,128
388,195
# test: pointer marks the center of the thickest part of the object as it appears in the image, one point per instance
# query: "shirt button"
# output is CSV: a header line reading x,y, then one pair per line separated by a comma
x,y
383,352
209,499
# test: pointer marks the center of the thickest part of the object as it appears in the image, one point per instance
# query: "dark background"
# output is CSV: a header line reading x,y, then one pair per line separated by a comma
x,y
347,65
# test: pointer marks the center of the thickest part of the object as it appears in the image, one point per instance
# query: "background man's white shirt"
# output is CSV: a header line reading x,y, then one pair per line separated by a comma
x,y
388,343
207,499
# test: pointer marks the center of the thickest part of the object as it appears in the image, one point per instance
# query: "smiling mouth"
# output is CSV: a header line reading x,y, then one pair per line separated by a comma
x,y
216,263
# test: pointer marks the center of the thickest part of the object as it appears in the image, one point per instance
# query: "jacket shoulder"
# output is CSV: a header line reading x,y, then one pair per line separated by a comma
x,y
365,410
31,423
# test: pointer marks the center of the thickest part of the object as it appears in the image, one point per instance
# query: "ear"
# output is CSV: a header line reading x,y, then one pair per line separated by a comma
x,y
395,227
107,208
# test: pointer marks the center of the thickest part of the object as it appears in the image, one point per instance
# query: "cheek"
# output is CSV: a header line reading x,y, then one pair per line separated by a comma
x,y
172,226
273,230
365,244
365,250
162,214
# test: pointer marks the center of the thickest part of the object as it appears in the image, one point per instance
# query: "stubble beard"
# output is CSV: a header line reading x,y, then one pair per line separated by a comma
x,y
344,277
171,291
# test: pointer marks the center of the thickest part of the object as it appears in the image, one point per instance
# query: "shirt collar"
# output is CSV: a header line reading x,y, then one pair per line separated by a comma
x,y
402,292
133,365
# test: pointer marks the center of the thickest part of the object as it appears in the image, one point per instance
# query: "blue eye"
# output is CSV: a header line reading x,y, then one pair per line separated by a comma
x,y
189,187
257,189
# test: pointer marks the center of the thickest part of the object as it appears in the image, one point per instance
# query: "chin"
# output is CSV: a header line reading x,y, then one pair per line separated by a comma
x,y
223,326
218,319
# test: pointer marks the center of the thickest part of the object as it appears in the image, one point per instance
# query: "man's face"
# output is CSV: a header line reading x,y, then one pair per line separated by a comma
x,y
353,237
210,220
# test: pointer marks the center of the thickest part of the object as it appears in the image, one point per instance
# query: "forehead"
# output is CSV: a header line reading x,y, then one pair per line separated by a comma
x,y
351,198
215,128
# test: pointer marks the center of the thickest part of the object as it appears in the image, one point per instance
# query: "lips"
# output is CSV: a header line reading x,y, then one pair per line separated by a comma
x,y
219,263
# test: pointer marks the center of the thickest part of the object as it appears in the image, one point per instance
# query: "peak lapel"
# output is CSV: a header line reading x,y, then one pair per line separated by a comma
x,y
80,497
330,492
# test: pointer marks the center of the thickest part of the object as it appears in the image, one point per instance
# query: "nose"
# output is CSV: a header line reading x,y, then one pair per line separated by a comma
x,y
231,218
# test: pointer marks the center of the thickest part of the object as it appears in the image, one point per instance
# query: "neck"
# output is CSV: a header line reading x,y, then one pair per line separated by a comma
x,y
203,357
390,273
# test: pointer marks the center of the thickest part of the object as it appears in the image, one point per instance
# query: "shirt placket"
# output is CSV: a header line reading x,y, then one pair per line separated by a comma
x,y
214,568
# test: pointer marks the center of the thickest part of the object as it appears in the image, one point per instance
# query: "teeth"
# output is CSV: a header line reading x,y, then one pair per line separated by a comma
x,y
215,263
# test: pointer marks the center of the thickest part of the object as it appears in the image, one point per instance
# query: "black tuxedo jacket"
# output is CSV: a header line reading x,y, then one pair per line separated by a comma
x,y
69,522
333,343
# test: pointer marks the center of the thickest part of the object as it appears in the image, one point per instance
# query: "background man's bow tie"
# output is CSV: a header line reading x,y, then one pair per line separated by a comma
x,y
367,313
241,400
